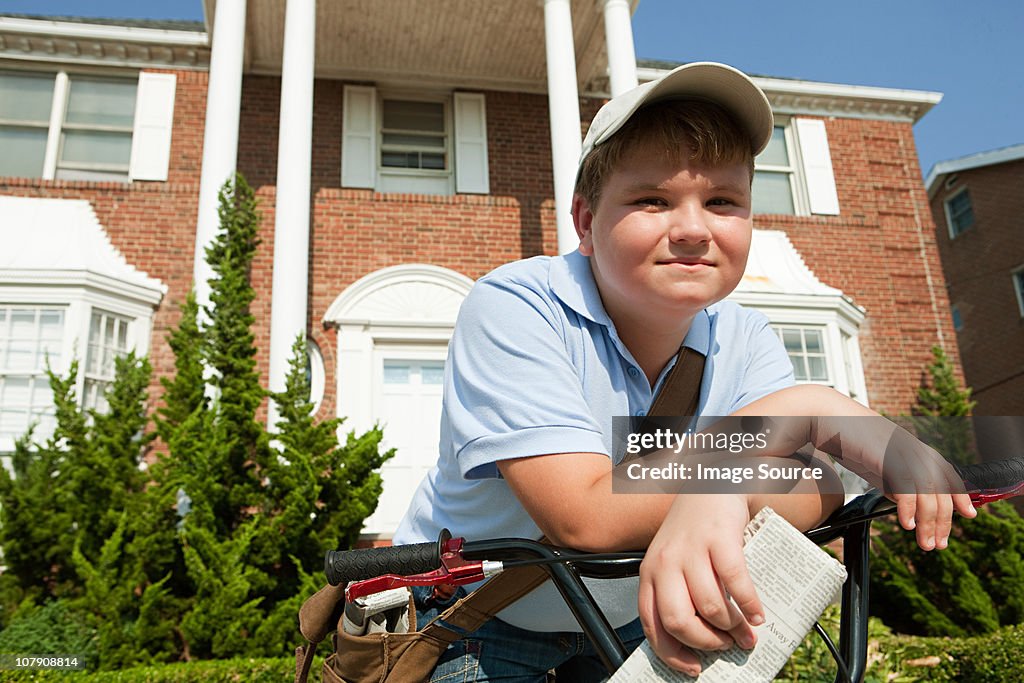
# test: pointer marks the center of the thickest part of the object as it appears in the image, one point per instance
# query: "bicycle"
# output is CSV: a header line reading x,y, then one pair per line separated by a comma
x,y
453,560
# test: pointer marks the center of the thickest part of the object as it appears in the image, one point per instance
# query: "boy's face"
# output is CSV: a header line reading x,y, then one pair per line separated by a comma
x,y
667,238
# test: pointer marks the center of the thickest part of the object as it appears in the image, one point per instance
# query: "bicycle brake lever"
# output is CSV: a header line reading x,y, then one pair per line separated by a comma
x,y
454,570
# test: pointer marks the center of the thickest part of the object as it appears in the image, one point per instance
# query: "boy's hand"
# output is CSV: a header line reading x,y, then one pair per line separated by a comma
x,y
695,591
925,487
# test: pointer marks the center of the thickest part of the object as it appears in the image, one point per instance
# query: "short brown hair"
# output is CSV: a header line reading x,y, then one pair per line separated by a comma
x,y
703,131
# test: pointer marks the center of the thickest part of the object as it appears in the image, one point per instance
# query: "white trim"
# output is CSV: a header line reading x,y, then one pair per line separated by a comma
x,y
127,34
990,158
412,305
58,42
318,374
342,310
795,96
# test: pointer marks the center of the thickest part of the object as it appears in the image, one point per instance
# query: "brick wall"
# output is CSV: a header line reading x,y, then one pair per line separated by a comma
x,y
978,265
880,250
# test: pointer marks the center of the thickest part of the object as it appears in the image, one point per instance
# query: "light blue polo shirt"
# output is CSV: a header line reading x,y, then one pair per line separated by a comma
x,y
535,366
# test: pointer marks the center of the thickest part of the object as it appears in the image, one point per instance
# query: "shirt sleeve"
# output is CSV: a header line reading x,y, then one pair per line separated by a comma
x,y
512,389
768,368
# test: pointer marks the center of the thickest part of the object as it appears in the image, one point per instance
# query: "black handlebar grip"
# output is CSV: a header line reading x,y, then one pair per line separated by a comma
x,y
344,566
993,475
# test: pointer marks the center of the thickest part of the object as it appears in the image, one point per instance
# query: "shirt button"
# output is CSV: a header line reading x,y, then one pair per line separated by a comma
x,y
641,413
633,372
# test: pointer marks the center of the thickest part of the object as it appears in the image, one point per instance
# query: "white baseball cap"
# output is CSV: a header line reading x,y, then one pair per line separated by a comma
x,y
711,81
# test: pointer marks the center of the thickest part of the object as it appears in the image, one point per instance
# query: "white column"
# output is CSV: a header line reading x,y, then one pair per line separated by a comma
x,y
290,280
564,111
220,135
618,32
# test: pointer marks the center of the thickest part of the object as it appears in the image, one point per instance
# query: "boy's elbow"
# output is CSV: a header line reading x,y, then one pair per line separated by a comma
x,y
586,536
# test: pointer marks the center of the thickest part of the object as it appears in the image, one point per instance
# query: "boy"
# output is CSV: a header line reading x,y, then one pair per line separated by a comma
x,y
547,350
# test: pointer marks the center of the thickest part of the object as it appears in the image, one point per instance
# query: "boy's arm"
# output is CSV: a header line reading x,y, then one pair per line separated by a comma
x,y
678,576
569,496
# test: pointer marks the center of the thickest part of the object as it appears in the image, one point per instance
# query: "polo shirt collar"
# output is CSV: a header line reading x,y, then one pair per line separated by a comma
x,y
572,281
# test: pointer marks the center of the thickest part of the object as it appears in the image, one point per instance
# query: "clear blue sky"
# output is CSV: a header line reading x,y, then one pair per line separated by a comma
x,y
973,53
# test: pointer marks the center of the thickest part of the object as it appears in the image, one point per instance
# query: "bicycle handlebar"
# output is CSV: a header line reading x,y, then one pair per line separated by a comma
x,y
985,482
345,566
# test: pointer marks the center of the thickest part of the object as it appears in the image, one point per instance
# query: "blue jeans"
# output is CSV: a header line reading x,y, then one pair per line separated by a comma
x,y
501,652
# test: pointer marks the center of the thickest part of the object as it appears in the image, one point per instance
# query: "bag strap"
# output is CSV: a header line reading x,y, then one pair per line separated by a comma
x,y
316,616
680,393
472,611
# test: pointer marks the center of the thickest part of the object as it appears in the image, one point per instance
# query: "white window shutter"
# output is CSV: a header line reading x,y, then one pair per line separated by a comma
x,y
359,137
471,172
817,163
151,133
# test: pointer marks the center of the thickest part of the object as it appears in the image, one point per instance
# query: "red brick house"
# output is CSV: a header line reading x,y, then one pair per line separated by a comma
x,y
977,202
422,146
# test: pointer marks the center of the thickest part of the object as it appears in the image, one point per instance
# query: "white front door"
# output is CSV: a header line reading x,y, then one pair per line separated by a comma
x,y
407,402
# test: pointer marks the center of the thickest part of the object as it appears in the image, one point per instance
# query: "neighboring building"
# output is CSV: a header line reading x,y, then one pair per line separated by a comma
x,y
440,141
977,202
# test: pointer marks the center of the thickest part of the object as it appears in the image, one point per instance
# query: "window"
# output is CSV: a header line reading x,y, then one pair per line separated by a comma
x,y
96,138
793,175
414,143
315,374
30,338
75,127
806,350
773,176
24,123
1018,288
959,213
414,135
108,339
958,321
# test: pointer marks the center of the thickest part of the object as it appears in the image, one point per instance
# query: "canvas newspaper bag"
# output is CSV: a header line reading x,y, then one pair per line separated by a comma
x,y
412,656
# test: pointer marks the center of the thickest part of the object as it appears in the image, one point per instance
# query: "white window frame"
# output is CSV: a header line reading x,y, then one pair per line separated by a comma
x,y
794,171
317,374
96,380
432,181
807,176
840,343
150,130
35,375
950,227
804,354
1018,288
78,304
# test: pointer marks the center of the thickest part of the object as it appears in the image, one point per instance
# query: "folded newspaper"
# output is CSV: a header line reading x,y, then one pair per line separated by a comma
x,y
795,579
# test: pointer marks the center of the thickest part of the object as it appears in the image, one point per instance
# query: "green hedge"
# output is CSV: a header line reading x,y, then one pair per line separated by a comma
x,y
994,658
895,658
